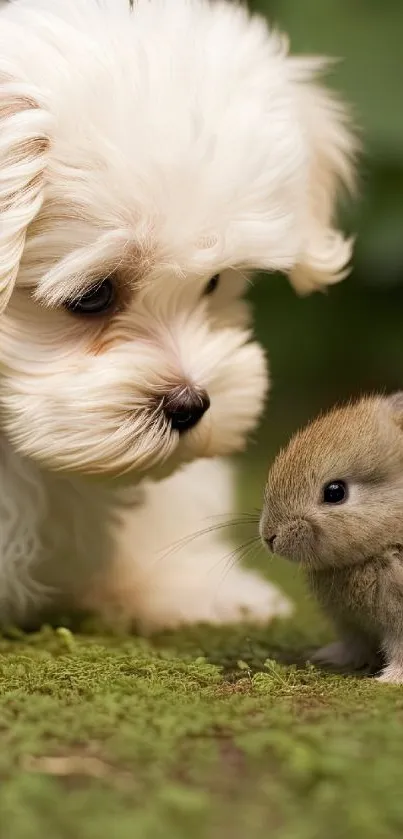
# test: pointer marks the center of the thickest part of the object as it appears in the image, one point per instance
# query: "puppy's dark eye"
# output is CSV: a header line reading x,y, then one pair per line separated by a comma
x,y
335,492
96,301
212,285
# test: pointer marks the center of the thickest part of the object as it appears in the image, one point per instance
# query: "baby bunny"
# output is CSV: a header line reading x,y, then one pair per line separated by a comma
x,y
334,503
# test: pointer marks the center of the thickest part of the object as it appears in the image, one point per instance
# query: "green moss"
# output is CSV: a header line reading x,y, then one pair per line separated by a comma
x,y
201,733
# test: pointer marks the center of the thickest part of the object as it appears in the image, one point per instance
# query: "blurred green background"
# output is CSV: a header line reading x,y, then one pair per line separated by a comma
x,y
330,346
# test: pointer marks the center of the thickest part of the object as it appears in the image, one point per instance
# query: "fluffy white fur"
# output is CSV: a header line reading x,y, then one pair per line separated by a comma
x,y
159,147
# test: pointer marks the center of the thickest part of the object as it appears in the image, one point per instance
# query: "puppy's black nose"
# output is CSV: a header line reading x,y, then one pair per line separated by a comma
x,y
185,406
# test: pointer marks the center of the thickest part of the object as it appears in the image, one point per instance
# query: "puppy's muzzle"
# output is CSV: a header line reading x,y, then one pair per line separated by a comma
x,y
185,406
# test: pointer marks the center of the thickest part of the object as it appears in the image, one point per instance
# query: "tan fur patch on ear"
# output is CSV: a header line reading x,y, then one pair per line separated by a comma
x,y
16,104
25,128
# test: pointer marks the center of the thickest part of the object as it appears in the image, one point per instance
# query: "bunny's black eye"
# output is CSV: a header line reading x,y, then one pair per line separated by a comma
x,y
335,492
212,285
96,301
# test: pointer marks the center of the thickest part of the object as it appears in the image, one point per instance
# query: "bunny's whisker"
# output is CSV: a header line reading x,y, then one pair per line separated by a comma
x,y
213,528
238,554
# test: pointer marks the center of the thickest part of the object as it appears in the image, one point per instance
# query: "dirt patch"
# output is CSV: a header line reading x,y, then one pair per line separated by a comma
x,y
75,768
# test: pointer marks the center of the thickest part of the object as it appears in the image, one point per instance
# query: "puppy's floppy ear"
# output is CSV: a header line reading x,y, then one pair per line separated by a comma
x,y
332,149
25,127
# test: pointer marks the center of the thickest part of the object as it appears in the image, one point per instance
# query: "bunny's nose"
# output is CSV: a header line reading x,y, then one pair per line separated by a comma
x,y
185,406
270,541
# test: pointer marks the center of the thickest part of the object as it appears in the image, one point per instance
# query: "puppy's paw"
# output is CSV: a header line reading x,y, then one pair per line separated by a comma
x,y
392,674
343,655
240,596
244,596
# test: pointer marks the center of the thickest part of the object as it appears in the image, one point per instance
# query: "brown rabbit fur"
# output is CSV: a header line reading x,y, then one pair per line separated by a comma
x,y
334,503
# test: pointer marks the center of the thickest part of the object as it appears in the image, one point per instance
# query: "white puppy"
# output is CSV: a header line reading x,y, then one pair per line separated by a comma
x,y
148,159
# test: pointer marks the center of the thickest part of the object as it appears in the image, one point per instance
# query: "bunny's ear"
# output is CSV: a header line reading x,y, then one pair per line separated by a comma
x,y
332,149
395,404
25,127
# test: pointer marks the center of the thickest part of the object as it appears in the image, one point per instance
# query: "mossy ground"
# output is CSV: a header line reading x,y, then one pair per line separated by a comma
x,y
205,734
202,734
